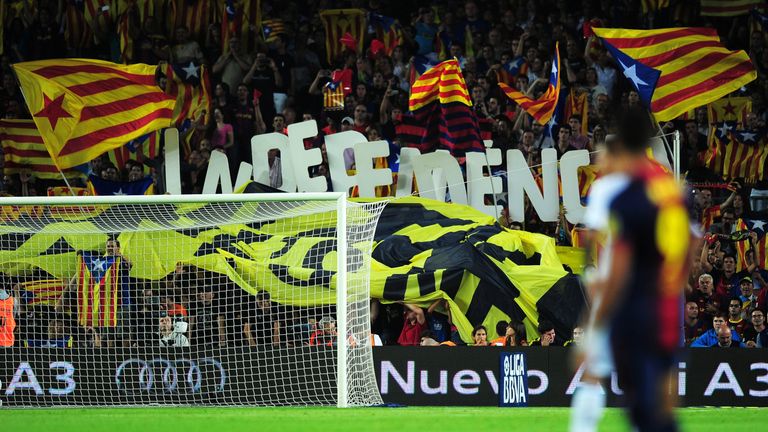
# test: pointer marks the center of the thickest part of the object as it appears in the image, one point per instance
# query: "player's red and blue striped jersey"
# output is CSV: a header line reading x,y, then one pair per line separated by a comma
x,y
650,218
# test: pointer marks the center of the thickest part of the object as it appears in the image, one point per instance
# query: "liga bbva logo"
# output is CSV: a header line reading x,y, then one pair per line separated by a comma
x,y
513,380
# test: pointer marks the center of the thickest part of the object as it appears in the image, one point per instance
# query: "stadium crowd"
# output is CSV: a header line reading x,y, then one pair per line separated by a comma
x,y
278,77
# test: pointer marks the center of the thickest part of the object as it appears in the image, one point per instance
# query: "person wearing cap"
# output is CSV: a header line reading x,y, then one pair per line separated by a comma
x,y
169,337
749,300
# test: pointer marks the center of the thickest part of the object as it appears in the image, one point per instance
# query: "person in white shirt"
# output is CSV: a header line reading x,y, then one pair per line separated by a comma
x,y
169,337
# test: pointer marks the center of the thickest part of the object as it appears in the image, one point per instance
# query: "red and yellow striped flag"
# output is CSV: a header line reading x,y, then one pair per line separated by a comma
x,y
728,8
338,22
578,104
677,69
196,16
23,149
543,108
84,108
42,292
443,83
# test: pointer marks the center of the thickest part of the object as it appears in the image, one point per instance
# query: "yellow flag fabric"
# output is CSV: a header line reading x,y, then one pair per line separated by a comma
x,y
84,108
423,251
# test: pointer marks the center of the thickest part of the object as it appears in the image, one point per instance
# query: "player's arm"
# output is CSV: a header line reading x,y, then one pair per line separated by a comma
x,y
616,280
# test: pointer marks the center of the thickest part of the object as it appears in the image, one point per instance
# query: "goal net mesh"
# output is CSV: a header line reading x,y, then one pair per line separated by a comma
x,y
217,303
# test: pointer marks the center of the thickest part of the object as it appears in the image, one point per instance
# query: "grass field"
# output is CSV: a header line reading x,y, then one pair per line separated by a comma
x,y
421,419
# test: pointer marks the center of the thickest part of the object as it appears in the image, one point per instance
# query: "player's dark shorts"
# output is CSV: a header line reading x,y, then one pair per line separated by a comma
x,y
642,368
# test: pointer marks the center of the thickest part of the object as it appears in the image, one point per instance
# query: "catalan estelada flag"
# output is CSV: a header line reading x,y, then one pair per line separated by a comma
x,y
737,153
509,71
730,109
271,28
728,8
388,30
759,248
237,19
84,108
98,289
677,69
441,116
189,84
337,23
543,108
99,186
42,292
23,149
333,96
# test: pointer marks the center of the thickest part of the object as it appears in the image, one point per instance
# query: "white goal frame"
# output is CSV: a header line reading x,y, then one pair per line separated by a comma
x,y
341,205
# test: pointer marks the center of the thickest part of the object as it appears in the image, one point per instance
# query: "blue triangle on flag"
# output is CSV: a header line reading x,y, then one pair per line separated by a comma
x,y
642,77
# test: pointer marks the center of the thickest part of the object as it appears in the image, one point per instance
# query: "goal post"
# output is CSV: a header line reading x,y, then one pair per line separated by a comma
x,y
230,299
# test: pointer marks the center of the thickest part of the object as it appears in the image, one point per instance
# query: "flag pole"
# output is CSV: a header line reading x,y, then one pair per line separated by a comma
x,y
675,158
69,187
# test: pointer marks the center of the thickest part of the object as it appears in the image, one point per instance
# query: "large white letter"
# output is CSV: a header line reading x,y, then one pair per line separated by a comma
x,y
172,162
302,159
368,177
569,175
405,171
436,170
519,179
387,369
731,383
334,146
17,383
479,185
260,147
218,173
442,385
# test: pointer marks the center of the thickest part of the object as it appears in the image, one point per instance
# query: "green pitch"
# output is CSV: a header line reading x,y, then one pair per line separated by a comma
x,y
421,419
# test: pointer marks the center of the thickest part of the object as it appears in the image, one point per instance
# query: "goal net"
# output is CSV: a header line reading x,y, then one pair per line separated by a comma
x,y
259,299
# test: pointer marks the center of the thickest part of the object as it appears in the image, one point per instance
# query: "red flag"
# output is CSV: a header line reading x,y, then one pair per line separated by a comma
x,y
349,41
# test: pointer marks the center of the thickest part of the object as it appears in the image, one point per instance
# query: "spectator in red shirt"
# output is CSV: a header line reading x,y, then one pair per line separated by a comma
x,y
694,326
414,324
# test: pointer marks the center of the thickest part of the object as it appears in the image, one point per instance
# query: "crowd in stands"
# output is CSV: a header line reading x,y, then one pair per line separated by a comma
x,y
267,86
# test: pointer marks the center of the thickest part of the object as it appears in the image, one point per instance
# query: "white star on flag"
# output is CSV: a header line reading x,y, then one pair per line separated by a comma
x,y
724,129
119,192
758,224
99,264
552,122
748,136
191,70
631,74
554,69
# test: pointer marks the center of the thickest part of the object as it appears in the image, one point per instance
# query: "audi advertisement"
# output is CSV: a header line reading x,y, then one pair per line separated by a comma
x,y
462,376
